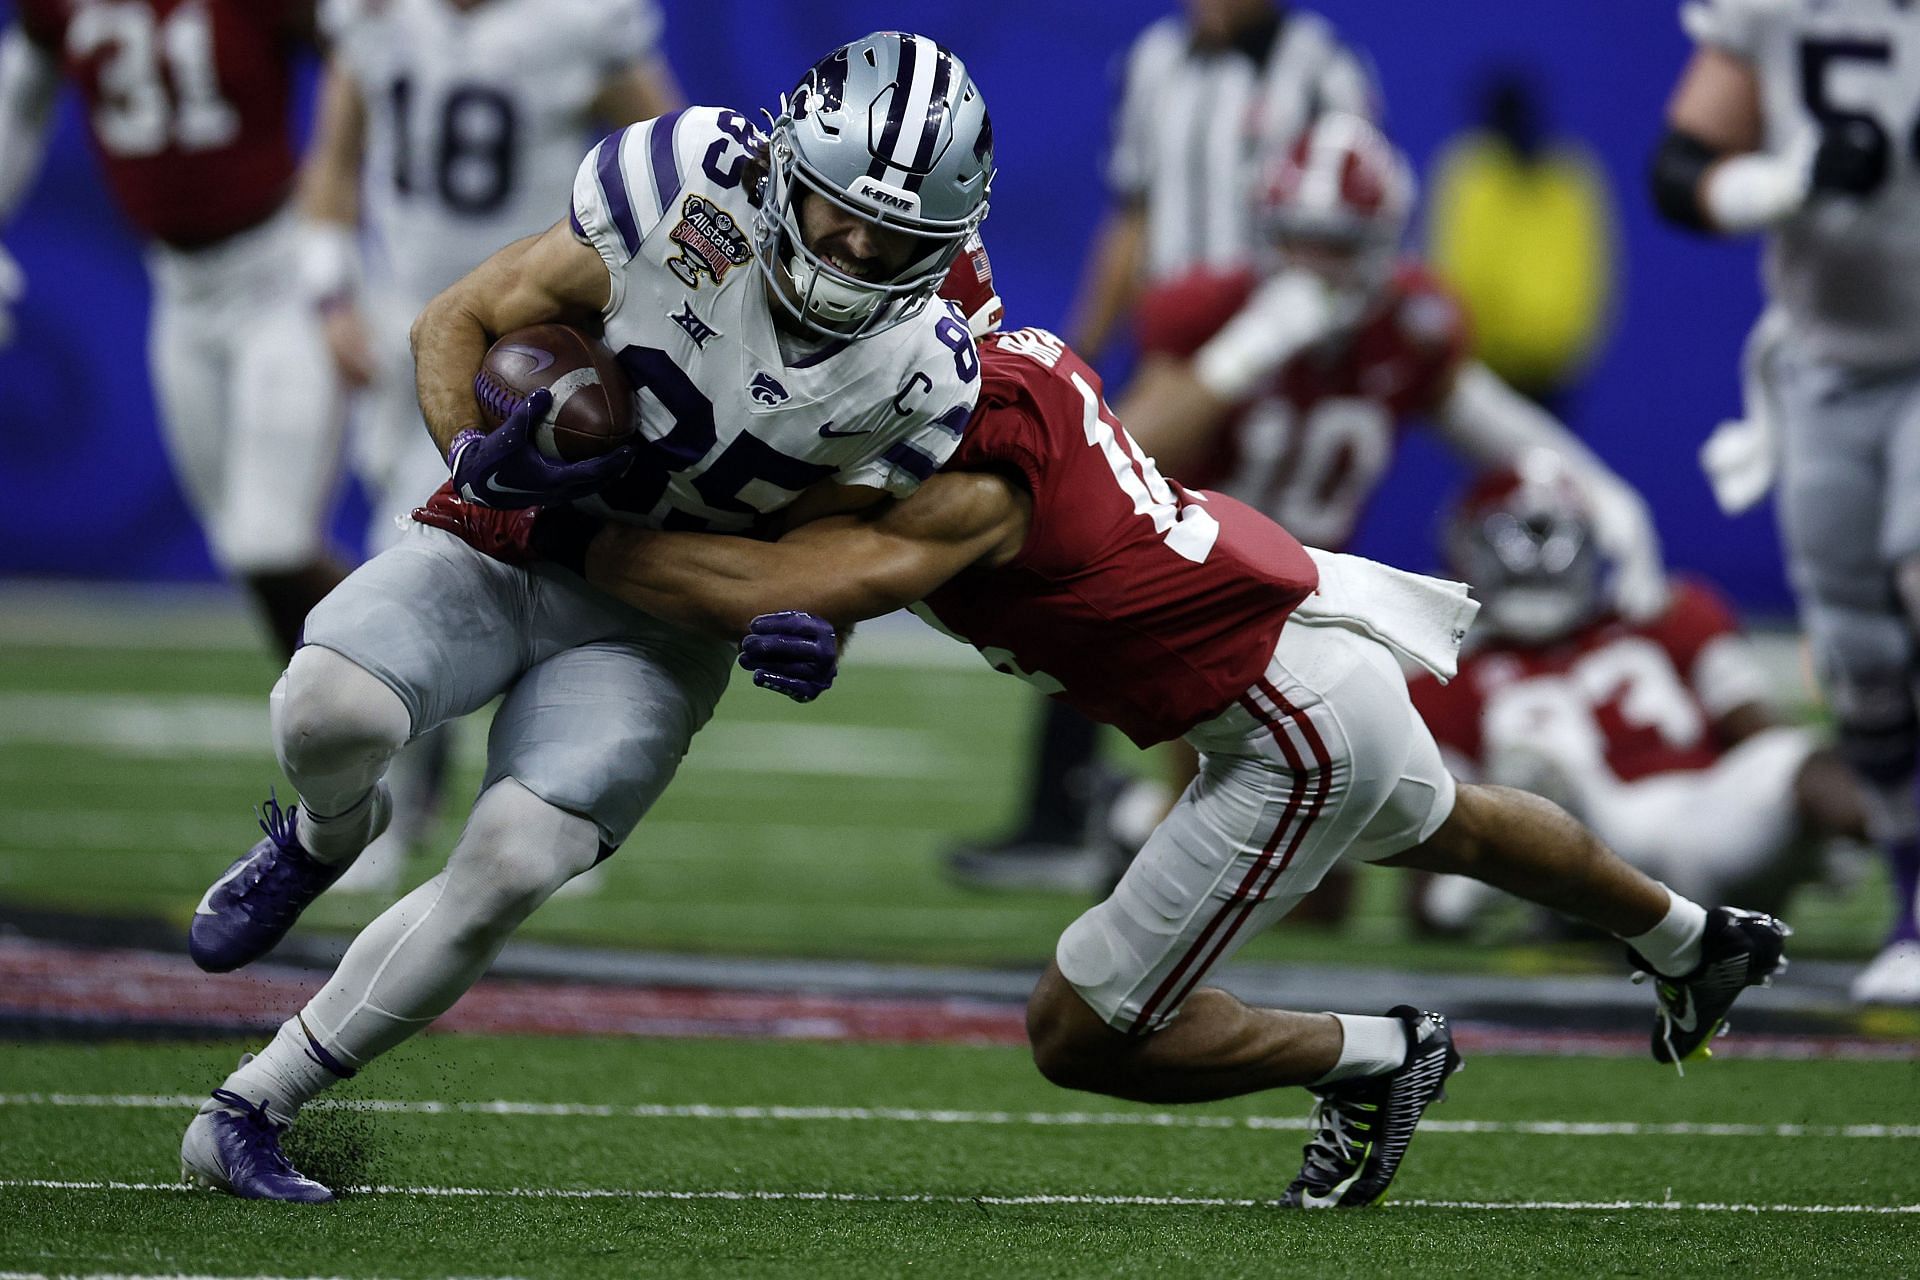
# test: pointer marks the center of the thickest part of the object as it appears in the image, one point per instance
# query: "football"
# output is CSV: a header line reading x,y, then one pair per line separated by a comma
x,y
592,409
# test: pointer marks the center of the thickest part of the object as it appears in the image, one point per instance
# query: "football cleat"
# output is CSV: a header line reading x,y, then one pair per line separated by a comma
x,y
232,1146
1741,949
1362,1127
1893,977
256,900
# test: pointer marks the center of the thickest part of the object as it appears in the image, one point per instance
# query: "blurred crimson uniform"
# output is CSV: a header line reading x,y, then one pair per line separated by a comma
x,y
1620,722
1309,448
1140,603
188,103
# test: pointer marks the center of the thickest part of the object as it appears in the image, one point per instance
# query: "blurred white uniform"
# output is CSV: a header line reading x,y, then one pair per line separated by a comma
x,y
476,119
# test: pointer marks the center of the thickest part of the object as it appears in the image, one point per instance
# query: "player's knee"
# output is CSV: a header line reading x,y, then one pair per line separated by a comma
x,y
515,853
330,714
1071,1046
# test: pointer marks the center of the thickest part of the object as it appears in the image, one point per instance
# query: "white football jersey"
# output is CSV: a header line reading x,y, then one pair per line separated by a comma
x,y
475,119
731,428
1846,271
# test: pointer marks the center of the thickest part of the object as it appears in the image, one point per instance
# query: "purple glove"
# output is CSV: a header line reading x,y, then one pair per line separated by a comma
x,y
502,468
792,653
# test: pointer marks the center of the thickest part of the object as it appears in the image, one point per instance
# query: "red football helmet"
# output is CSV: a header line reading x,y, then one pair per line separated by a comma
x,y
1336,200
969,283
1523,538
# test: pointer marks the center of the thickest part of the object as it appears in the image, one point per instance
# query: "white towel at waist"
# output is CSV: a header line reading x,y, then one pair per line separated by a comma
x,y
1421,619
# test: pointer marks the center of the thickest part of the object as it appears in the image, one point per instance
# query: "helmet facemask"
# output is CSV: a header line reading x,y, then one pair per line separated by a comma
x,y
1535,568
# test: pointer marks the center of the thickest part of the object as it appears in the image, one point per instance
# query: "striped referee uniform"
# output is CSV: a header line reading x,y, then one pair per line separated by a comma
x,y
1193,119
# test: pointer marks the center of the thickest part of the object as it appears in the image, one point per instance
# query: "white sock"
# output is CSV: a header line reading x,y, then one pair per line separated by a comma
x,y
286,1074
1368,1047
1672,947
341,836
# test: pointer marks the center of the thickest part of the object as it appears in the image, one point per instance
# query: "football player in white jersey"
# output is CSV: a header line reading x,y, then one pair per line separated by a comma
x,y
772,300
447,129
1799,119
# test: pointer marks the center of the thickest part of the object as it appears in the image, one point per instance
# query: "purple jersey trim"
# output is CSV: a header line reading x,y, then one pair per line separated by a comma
x,y
613,183
911,460
666,169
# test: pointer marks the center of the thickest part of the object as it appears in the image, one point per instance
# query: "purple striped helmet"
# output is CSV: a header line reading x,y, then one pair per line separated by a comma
x,y
893,129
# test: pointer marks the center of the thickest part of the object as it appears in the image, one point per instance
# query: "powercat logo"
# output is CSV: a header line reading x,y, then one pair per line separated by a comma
x,y
712,243
886,197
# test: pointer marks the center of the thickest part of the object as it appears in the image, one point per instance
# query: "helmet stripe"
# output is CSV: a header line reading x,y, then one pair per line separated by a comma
x,y
938,111
896,109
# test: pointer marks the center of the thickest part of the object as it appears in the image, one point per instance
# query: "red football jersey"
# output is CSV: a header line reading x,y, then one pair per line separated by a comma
x,y
1652,699
1142,604
187,102
1309,448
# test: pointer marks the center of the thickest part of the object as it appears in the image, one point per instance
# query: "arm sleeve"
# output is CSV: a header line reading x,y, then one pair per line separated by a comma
x,y
1492,424
29,83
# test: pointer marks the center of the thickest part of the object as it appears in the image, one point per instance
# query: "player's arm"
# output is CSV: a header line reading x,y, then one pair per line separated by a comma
x,y
1173,406
1115,265
844,569
1491,424
638,91
329,203
543,278
1709,173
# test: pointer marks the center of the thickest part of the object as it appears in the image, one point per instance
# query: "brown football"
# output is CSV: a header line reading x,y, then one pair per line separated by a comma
x,y
592,409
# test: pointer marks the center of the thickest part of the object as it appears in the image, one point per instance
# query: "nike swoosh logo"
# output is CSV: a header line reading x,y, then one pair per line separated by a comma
x,y
1687,1015
828,433
205,908
1331,1200
541,359
493,484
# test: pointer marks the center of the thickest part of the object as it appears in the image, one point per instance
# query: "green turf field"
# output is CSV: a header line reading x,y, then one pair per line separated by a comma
x,y
731,1159
129,774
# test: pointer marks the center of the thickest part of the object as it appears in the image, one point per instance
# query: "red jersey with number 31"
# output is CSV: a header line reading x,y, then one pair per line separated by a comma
x,y
1142,604
187,102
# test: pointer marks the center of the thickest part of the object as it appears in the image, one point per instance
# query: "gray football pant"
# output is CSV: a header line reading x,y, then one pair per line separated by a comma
x,y
1849,516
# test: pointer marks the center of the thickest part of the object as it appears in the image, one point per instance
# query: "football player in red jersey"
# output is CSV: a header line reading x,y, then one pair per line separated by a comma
x,y
1051,542
1287,387
1654,732
188,104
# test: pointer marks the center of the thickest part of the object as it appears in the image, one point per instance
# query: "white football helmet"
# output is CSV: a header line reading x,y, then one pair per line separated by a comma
x,y
1336,200
892,128
1523,538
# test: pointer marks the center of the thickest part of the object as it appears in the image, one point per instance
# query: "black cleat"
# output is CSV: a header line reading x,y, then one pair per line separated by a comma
x,y
1741,949
1362,1127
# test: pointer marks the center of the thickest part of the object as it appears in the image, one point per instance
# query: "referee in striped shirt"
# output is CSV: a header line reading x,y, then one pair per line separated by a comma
x,y
1204,93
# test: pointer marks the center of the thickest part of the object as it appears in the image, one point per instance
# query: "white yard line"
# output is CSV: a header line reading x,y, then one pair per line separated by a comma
x,y
1035,1119
1040,1198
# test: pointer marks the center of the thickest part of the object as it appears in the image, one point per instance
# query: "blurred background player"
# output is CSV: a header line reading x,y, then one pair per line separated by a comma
x,y
188,105
1797,120
1285,384
1203,93
1520,223
1654,733
447,129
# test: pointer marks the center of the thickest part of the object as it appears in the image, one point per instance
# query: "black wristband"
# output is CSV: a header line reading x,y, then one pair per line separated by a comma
x,y
1679,163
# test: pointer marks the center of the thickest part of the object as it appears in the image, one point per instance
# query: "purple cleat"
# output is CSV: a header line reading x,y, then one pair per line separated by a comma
x,y
253,904
232,1146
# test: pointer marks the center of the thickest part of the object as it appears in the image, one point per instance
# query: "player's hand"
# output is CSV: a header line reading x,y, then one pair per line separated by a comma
x,y
797,654
13,286
1851,159
502,468
350,342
